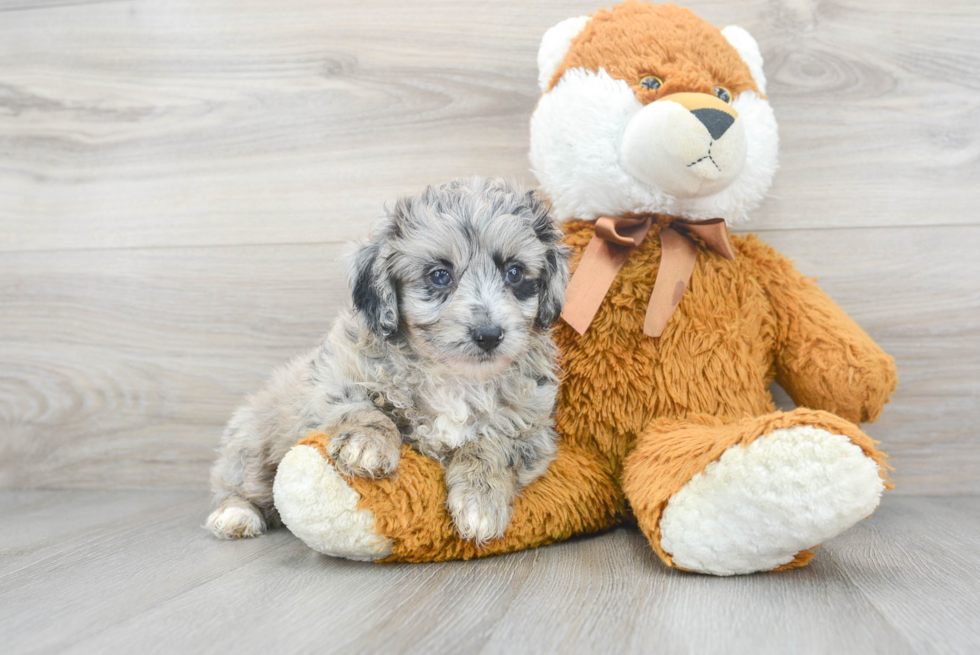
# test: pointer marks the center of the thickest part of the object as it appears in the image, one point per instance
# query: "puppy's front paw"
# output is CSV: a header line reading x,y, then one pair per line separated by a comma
x,y
367,451
235,522
478,517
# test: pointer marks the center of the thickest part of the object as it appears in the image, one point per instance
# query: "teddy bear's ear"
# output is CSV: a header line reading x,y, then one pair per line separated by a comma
x,y
748,49
554,46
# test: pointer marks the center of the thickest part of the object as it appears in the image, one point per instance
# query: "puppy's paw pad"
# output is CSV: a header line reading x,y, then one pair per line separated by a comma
x,y
235,523
367,454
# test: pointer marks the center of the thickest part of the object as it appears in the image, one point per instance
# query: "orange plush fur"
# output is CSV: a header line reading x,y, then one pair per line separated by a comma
x,y
639,417
675,46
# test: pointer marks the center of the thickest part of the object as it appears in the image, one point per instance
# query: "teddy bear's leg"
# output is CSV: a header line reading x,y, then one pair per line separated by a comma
x,y
753,495
319,506
403,517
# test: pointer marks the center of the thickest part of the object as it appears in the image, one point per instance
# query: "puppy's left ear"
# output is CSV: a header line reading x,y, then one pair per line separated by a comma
x,y
372,288
554,275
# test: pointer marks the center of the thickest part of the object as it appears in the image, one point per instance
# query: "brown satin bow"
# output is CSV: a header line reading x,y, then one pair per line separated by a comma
x,y
607,252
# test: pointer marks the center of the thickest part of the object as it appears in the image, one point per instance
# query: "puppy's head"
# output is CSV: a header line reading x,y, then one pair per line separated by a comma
x,y
467,273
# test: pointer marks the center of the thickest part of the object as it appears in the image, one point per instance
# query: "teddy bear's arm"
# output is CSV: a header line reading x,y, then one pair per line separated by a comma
x,y
824,360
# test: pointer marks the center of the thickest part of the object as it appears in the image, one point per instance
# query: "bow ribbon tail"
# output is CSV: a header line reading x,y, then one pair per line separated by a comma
x,y
596,271
614,239
677,257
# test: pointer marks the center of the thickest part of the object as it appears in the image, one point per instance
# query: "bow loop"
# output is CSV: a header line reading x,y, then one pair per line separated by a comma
x,y
712,231
623,231
615,238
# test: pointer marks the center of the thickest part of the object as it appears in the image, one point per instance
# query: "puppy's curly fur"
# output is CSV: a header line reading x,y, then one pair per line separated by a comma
x,y
446,347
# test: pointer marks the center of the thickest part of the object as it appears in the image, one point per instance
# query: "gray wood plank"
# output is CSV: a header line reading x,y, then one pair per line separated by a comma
x,y
148,579
120,367
159,551
916,562
45,526
620,599
254,123
36,5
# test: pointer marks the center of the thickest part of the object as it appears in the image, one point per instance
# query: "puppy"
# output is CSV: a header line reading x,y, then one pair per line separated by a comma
x,y
446,348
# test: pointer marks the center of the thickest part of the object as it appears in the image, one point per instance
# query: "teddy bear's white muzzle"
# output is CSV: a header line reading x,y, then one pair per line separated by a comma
x,y
688,153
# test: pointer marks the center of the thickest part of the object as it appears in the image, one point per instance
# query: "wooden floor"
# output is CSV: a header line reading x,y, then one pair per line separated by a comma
x,y
133,572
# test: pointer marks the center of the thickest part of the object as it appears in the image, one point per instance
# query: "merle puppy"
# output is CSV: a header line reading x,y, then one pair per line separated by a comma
x,y
446,348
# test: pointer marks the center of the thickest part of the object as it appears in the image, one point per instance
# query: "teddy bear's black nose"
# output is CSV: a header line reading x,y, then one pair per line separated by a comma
x,y
488,337
715,120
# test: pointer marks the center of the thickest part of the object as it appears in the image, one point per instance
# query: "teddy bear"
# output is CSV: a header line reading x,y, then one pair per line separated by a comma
x,y
653,136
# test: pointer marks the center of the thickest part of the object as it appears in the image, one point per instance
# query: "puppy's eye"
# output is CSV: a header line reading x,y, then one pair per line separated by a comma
x,y
651,82
514,275
440,278
723,94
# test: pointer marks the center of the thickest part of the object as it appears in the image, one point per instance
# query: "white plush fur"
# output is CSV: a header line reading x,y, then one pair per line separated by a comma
x,y
577,133
554,47
576,142
749,51
758,506
665,146
320,508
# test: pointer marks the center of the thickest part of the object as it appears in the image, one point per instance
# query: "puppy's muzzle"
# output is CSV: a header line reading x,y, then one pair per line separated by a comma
x,y
687,144
488,337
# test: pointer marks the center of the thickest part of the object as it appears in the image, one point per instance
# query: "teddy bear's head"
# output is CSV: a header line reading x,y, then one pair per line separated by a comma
x,y
650,109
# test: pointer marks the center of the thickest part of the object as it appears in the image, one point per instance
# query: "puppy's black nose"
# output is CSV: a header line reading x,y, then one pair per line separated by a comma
x,y
715,120
488,337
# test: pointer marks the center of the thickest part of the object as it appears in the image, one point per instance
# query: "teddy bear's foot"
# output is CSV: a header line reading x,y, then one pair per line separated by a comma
x,y
755,495
759,505
321,508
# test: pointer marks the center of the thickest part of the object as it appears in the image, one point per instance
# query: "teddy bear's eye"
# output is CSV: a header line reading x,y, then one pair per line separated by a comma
x,y
651,82
723,94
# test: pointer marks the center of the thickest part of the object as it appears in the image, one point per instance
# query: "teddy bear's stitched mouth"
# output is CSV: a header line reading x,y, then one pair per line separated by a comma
x,y
708,157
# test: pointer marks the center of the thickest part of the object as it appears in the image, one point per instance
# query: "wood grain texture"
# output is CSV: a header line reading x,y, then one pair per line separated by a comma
x,y
134,124
114,571
124,374
177,180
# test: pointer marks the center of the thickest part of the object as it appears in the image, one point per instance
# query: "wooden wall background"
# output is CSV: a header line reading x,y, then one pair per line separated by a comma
x,y
178,180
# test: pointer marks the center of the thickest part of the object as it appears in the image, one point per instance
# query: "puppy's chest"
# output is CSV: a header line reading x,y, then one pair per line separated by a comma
x,y
452,415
